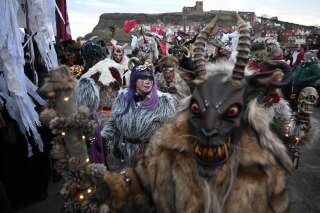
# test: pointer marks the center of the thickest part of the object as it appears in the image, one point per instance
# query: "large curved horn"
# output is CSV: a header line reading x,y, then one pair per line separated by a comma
x,y
199,52
133,62
195,72
243,50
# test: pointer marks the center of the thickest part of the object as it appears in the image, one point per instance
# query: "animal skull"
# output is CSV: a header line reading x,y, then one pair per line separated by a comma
x,y
308,97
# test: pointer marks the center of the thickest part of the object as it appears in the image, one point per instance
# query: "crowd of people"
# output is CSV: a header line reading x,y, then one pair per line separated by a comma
x,y
132,92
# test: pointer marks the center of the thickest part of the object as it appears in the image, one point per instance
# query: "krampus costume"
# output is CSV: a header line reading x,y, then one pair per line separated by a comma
x,y
146,48
135,117
118,55
169,80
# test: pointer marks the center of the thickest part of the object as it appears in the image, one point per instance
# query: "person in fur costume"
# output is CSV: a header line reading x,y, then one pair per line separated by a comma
x,y
118,55
291,128
169,80
146,48
97,89
218,153
137,113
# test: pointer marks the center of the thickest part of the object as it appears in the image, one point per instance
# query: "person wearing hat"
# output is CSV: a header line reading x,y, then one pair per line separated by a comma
x,y
169,80
307,73
137,113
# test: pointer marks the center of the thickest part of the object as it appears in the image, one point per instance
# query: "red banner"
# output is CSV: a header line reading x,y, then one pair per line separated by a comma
x,y
129,25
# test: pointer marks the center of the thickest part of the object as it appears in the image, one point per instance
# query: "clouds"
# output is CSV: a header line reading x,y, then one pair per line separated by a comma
x,y
84,14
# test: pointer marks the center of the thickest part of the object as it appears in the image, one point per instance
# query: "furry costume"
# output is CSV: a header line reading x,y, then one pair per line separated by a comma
x,y
137,123
97,90
251,181
99,86
181,86
147,48
118,55
182,89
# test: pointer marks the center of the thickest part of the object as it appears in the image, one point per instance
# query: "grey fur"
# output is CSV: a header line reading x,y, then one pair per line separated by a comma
x,y
87,94
135,124
281,114
260,120
183,89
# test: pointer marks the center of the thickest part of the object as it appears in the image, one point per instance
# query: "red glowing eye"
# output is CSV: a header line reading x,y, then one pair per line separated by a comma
x,y
195,108
233,111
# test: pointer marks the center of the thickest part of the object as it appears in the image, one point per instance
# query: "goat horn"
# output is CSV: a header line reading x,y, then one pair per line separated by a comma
x,y
199,52
133,62
243,50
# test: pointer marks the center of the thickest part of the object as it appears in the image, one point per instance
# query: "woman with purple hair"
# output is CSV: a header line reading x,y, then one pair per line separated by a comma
x,y
137,113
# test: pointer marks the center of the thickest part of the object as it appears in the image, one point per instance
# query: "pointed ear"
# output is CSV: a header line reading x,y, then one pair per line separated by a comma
x,y
114,43
278,76
125,45
266,79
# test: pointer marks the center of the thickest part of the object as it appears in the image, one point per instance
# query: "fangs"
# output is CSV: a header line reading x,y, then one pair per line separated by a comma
x,y
213,153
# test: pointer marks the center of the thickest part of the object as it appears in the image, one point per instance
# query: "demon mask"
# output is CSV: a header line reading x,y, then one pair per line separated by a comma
x,y
118,52
219,100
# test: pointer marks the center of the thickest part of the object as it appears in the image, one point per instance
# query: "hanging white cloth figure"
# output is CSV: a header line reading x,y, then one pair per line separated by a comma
x,y
42,21
15,87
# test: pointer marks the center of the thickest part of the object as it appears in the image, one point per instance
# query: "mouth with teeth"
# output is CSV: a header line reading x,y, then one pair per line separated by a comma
x,y
307,108
208,157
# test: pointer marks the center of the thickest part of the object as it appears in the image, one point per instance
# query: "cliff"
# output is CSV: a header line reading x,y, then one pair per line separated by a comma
x,y
116,19
265,26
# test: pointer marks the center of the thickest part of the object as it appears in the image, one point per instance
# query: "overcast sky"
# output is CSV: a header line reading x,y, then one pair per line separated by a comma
x,y
84,14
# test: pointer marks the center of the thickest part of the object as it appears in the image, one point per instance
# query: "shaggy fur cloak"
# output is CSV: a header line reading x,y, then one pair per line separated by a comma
x,y
183,89
137,123
252,180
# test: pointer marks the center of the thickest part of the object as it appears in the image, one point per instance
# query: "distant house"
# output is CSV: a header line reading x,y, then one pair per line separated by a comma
x,y
248,16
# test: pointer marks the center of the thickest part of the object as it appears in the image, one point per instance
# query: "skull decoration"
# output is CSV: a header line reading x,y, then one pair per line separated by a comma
x,y
307,99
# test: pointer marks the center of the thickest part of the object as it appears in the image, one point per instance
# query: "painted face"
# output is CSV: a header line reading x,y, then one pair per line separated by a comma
x,y
168,74
144,84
